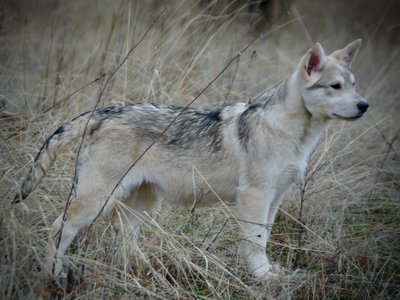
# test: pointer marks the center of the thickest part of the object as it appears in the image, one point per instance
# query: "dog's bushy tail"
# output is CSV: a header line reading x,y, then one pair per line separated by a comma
x,y
50,149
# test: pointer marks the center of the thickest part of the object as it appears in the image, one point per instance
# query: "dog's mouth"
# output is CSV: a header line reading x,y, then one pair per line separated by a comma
x,y
348,118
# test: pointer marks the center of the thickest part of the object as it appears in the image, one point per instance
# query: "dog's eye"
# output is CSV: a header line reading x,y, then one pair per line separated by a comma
x,y
336,86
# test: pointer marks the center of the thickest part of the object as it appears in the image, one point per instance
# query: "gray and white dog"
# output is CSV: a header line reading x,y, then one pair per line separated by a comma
x,y
252,152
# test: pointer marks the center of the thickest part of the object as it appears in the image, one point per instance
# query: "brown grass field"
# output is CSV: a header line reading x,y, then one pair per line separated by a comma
x,y
338,232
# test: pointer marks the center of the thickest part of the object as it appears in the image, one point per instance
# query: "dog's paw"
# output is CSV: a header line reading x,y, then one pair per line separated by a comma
x,y
269,272
263,272
278,269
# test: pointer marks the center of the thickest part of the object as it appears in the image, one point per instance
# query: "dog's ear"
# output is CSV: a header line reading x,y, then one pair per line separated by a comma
x,y
314,60
348,53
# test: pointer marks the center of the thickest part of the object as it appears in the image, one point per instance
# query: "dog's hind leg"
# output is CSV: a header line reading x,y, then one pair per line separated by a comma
x,y
84,208
79,214
144,199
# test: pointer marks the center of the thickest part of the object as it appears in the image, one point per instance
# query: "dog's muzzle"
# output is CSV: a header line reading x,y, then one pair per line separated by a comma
x,y
362,106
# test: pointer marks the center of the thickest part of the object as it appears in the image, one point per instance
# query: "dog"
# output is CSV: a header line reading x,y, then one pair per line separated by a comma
x,y
142,154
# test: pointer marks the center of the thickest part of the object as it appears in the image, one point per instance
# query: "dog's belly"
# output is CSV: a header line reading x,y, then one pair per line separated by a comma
x,y
201,191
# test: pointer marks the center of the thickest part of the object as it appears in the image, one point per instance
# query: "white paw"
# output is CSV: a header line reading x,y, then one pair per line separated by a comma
x,y
278,269
264,271
267,270
257,261
259,266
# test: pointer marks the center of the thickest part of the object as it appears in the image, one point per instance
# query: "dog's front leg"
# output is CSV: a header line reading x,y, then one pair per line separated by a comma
x,y
254,205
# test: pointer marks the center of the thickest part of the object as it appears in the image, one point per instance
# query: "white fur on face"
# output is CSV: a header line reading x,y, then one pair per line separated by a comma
x,y
331,93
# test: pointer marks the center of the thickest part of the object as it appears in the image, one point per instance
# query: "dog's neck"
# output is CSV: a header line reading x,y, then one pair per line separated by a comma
x,y
308,127
285,112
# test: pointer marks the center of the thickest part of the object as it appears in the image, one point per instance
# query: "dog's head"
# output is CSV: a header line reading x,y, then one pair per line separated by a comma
x,y
328,85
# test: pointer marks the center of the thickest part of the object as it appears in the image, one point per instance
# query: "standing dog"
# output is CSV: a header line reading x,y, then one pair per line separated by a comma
x,y
249,151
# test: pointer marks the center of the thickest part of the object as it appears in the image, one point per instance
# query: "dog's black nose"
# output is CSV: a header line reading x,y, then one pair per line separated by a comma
x,y
362,106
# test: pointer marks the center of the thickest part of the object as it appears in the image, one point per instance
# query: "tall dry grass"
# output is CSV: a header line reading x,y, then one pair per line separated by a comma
x,y
337,232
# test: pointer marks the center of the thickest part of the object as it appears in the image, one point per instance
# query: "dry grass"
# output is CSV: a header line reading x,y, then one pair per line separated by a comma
x,y
338,231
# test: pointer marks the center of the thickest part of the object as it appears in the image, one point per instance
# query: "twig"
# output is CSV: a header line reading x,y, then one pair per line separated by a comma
x,y
217,235
390,147
232,81
306,227
56,103
300,219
